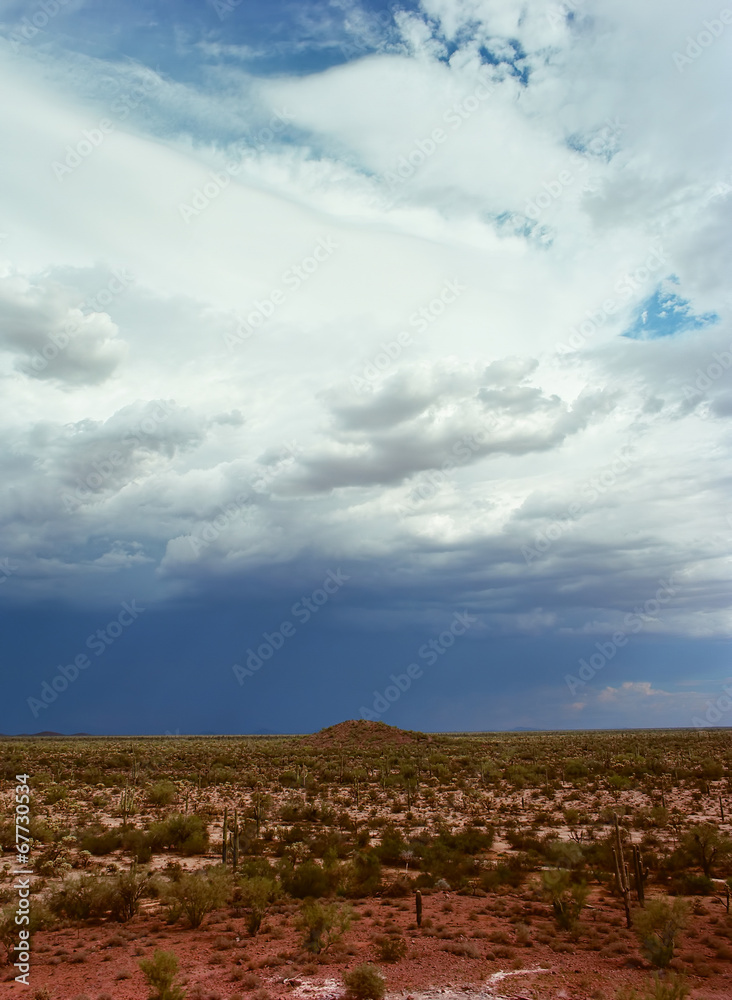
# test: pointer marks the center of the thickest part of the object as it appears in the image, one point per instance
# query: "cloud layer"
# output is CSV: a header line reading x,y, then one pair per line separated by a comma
x,y
450,306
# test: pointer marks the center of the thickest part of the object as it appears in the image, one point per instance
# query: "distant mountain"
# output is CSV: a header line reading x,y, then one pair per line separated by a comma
x,y
265,732
524,729
363,733
46,732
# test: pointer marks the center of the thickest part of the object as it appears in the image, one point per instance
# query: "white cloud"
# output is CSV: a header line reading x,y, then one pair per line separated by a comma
x,y
52,338
633,690
487,364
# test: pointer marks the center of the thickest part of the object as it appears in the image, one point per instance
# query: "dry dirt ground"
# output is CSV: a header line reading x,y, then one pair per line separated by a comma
x,y
471,950
501,944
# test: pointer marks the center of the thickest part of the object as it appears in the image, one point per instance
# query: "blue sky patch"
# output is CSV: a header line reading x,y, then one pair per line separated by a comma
x,y
664,314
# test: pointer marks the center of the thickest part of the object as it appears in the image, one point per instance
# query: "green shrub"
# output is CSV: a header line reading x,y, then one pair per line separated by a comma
x,y
398,889
162,793
365,874
307,880
392,846
576,769
256,895
82,897
197,894
365,982
89,897
137,842
657,927
567,898
187,834
125,892
55,794
499,875
671,988
40,919
100,842
706,846
392,947
711,768
445,858
160,972
690,884
256,868
470,839
323,924
55,858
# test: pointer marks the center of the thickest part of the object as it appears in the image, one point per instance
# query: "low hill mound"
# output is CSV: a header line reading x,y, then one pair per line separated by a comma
x,y
365,734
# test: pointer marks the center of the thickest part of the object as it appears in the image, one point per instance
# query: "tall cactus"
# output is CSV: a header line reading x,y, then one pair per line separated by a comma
x,y
225,834
126,802
621,873
640,875
418,907
235,839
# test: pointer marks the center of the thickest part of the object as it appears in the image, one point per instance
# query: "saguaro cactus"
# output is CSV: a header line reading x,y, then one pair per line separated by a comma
x,y
225,834
126,803
640,875
621,873
418,907
235,839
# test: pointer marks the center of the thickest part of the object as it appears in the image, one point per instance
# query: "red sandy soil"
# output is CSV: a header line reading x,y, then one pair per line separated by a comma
x,y
361,733
220,962
501,945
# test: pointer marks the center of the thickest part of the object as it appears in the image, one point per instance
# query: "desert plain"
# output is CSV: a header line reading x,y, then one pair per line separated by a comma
x,y
563,865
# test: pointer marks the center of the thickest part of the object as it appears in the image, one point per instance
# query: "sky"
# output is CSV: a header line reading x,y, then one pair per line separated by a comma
x,y
365,360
